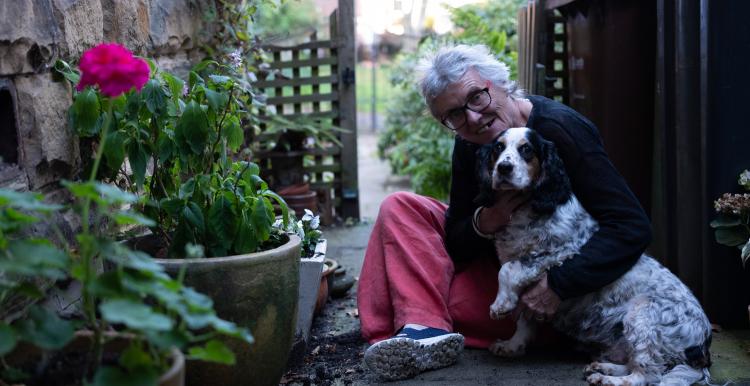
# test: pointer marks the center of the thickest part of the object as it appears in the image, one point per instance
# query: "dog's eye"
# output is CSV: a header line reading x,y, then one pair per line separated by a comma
x,y
526,151
499,147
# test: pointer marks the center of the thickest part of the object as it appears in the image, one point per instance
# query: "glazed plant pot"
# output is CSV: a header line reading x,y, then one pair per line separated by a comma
x,y
26,354
258,291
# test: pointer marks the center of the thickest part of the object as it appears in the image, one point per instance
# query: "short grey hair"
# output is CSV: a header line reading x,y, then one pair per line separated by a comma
x,y
449,64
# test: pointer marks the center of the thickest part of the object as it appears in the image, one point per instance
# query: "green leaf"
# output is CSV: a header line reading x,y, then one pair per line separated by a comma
x,y
155,97
112,194
230,329
724,220
192,129
234,134
132,218
137,260
261,220
167,340
135,315
138,158
281,203
45,329
172,206
213,351
732,236
64,68
187,189
194,78
32,257
86,113
204,64
174,83
220,79
113,376
114,155
25,200
246,240
222,221
194,216
134,358
165,147
216,100
8,339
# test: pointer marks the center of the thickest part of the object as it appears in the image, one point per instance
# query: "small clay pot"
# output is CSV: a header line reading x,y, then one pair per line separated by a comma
x,y
326,282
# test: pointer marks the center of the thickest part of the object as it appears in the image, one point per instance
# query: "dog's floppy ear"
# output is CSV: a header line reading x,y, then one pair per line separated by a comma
x,y
553,186
486,196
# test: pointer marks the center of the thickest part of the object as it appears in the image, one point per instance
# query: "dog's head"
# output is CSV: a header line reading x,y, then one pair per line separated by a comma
x,y
520,159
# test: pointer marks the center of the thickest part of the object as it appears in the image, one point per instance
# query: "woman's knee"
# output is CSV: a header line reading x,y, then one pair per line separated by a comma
x,y
397,202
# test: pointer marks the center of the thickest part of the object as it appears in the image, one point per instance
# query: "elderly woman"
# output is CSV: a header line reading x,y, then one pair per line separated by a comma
x,y
430,270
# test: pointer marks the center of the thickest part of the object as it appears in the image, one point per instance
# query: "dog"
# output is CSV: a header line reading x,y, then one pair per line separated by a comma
x,y
649,326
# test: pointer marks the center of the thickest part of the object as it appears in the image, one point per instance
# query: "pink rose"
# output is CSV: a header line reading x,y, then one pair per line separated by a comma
x,y
113,68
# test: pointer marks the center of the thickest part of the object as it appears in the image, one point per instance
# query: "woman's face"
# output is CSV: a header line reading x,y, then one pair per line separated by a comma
x,y
482,126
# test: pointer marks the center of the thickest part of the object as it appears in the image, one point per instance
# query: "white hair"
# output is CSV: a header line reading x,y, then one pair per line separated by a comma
x,y
449,64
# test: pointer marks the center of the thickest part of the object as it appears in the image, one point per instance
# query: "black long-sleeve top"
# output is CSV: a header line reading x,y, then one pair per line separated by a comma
x,y
624,229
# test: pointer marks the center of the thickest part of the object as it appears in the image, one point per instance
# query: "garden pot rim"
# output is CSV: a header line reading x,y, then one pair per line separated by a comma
x,y
177,357
294,242
320,251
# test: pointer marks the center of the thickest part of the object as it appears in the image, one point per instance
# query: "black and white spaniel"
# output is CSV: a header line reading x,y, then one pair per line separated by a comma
x,y
651,328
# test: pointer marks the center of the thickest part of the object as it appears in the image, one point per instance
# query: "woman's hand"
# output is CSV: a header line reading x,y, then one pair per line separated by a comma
x,y
491,219
539,302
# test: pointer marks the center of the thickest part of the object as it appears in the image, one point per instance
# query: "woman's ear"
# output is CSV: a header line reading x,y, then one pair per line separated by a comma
x,y
553,187
486,196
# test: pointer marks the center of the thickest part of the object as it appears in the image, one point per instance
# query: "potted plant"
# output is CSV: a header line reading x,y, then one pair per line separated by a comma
x,y
135,309
732,224
176,144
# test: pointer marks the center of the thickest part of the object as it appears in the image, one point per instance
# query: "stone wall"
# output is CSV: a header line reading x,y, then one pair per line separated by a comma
x,y
35,33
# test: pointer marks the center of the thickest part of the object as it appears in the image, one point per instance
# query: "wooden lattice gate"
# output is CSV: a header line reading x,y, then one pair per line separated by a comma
x,y
319,84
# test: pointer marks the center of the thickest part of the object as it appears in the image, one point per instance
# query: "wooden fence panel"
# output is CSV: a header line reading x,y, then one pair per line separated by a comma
x,y
317,83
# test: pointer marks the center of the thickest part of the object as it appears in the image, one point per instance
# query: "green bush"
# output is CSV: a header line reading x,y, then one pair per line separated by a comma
x,y
413,142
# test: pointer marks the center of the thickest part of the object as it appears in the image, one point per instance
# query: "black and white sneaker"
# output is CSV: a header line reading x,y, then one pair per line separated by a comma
x,y
412,350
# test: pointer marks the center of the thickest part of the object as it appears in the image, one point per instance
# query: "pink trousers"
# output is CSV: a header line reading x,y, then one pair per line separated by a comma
x,y
408,277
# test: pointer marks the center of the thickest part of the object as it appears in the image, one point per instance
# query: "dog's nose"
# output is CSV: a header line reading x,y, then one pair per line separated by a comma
x,y
504,168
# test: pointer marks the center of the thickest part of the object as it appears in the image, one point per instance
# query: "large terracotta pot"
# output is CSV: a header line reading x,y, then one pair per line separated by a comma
x,y
258,291
26,353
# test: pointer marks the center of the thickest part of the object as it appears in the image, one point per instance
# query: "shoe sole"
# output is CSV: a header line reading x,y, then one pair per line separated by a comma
x,y
401,358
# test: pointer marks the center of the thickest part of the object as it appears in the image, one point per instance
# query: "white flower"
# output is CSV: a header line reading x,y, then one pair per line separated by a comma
x,y
277,223
308,215
236,58
194,251
745,179
300,230
315,222
185,89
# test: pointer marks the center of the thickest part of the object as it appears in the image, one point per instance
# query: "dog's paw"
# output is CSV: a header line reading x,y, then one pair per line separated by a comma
x,y
503,306
508,348
595,379
605,369
606,380
498,315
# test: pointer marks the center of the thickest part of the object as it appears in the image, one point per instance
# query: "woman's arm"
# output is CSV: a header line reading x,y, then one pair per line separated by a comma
x,y
624,229
461,241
